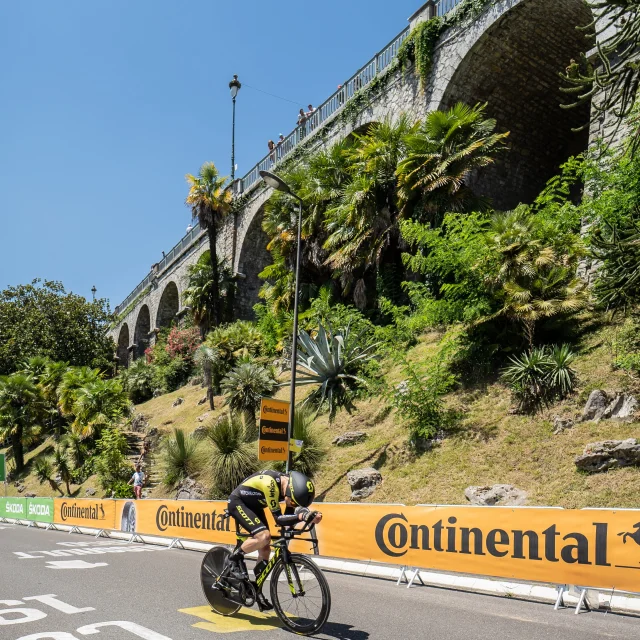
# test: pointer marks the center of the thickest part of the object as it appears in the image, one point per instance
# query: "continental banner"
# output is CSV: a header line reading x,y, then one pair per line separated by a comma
x,y
98,514
588,547
15,508
188,519
40,509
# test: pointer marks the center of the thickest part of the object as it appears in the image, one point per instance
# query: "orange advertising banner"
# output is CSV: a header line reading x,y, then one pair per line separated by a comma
x,y
273,443
595,548
590,548
189,519
98,514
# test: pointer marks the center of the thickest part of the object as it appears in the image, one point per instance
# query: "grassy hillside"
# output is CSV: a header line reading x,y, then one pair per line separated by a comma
x,y
490,445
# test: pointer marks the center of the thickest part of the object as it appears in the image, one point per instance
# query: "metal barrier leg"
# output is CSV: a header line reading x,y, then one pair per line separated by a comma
x,y
402,575
560,599
582,601
135,538
75,529
175,542
51,526
416,574
102,532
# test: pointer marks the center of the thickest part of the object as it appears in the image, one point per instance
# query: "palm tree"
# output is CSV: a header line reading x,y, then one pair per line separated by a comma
x,y
244,387
534,281
209,360
72,380
197,293
96,406
363,225
20,412
44,473
210,202
441,155
61,464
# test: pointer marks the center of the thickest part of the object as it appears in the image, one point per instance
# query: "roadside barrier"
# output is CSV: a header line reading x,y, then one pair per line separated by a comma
x,y
594,548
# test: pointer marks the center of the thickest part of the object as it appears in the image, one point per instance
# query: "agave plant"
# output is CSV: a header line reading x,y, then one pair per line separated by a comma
x,y
331,360
232,458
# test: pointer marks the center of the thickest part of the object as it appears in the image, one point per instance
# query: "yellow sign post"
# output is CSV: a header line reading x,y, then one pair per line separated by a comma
x,y
274,426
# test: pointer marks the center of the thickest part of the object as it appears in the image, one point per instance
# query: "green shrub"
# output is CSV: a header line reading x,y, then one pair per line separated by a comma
x,y
626,345
174,374
111,463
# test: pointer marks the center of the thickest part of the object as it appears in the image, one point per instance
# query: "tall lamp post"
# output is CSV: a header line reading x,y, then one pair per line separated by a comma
x,y
275,182
234,87
93,292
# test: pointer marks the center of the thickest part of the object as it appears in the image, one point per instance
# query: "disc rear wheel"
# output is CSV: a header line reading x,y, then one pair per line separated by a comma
x,y
300,594
213,563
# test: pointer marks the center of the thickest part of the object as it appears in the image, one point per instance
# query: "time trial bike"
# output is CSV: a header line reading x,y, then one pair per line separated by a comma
x,y
299,591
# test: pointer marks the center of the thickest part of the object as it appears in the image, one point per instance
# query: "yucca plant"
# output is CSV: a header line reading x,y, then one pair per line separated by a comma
x,y
540,375
562,376
245,385
232,458
331,359
181,457
212,366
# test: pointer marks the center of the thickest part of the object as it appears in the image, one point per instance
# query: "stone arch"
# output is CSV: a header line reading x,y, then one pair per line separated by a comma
x,y
253,257
168,306
513,66
122,350
142,331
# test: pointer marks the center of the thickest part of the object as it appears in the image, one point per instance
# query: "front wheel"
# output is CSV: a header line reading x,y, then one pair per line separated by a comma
x,y
300,595
213,564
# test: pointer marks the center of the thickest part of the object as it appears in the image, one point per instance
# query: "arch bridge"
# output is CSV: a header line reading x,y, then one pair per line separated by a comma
x,y
508,56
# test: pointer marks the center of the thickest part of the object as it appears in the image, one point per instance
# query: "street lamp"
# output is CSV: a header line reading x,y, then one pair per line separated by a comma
x,y
277,183
234,87
93,292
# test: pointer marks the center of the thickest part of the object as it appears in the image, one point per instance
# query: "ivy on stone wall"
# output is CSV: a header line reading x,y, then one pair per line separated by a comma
x,y
420,45
130,307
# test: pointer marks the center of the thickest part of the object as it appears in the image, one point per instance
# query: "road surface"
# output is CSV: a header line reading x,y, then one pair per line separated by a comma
x,y
60,586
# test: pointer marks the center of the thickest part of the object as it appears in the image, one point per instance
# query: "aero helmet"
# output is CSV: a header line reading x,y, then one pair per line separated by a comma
x,y
301,490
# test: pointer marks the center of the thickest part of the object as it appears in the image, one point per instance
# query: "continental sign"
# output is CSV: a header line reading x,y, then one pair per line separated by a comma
x,y
99,514
189,519
274,430
587,547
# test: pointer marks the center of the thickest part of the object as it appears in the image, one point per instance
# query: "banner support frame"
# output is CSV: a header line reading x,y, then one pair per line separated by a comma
x,y
174,543
135,538
75,529
102,532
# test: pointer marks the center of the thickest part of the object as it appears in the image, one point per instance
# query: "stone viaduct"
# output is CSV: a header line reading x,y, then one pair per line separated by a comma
x,y
509,57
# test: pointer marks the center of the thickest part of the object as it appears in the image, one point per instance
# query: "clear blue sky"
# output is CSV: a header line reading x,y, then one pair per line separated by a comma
x,y
106,104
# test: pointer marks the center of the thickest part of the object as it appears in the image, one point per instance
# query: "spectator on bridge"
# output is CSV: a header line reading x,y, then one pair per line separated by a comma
x,y
279,147
302,119
310,118
272,150
137,479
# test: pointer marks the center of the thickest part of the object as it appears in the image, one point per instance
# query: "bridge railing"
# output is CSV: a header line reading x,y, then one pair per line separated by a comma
x,y
324,112
444,6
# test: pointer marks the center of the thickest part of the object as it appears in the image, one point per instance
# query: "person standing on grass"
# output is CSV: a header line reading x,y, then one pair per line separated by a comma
x,y
137,479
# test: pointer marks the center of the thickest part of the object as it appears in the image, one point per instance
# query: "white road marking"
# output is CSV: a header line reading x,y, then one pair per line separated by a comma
x,y
74,564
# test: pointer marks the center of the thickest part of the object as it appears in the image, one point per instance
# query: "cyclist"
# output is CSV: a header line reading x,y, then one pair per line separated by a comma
x,y
266,489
